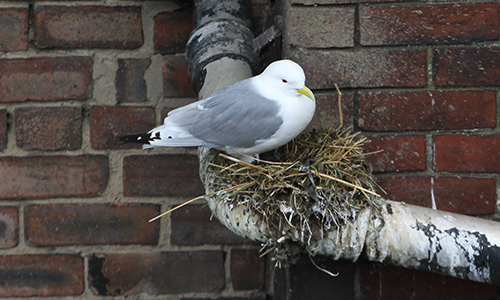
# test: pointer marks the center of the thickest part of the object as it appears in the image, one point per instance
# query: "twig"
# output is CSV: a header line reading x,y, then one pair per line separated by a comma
x,y
345,182
340,108
233,189
178,206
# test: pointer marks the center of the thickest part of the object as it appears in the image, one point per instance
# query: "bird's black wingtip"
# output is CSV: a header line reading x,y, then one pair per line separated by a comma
x,y
141,138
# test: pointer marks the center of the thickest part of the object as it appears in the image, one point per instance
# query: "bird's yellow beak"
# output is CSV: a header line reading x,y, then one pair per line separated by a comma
x,y
306,92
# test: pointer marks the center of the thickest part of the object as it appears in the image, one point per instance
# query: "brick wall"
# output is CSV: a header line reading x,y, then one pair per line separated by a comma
x,y
421,80
75,203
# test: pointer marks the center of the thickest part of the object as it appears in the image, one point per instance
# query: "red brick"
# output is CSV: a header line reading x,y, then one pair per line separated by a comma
x,y
13,29
466,66
247,269
40,177
464,195
428,24
3,129
363,68
193,225
9,227
108,122
427,110
106,27
41,275
49,128
327,110
467,153
303,280
172,272
172,31
398,153
91,224
176,80
330,26
388,282
60,78
170,175
130,83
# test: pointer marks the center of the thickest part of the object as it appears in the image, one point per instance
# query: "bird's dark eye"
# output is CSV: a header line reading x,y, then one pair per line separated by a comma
x,y
284,80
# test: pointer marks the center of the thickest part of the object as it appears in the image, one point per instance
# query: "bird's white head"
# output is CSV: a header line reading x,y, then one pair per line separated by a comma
x,y
286,76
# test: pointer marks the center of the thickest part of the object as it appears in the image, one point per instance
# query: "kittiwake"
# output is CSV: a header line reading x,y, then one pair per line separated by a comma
x,y
243,119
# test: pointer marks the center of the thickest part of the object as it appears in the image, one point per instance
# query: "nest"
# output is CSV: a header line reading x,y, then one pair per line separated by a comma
x,y
318,183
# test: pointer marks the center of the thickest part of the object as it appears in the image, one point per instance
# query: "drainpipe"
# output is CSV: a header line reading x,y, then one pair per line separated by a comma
x,y
220,50
219,53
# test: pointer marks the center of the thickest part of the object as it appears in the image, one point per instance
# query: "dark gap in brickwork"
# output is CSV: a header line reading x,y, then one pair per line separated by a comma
x,y
98,280
3,230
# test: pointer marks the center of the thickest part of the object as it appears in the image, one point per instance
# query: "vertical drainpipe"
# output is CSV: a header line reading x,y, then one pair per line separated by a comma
x,y
220,49
219,53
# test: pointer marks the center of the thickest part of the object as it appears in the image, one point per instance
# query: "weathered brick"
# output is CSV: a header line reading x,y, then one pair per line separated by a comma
x,y
467,153
49,128
172,272
327,110
170,175
61,78
3,129
466,66
172,31
58,78
176,81
40,177
389,282
305,281
108,122
130,83
9,227
247,269
83,26
427,110
13,29
330,26
41,275
363,68
193,225
397,153
91,224
428,24
464,195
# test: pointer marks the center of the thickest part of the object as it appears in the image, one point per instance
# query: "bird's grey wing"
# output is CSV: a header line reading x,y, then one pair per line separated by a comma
x,y
235,116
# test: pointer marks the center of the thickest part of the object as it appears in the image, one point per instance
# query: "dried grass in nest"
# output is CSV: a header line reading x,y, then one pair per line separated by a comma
x,y
318,184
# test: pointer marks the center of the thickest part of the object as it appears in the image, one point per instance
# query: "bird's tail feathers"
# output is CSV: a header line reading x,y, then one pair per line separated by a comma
x,y
141,138
163,136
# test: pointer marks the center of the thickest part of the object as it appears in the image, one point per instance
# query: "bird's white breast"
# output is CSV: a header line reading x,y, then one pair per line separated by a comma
x,y
296,113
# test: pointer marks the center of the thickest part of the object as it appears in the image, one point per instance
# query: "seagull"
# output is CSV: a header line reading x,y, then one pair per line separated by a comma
x,y
243,119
